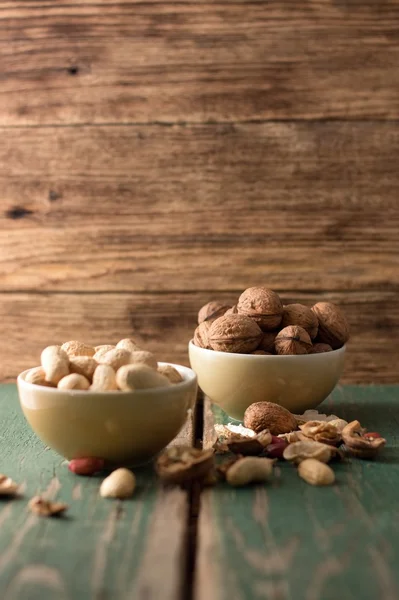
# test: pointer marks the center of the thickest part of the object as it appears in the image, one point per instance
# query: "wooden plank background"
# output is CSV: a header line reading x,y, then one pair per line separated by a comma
x,y
155,155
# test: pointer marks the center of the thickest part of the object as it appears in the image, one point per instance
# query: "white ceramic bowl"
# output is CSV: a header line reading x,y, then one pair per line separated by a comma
x,y
121,427
234,381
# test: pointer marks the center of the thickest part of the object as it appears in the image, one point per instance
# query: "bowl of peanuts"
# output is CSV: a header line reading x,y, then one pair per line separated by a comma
x,y
114,402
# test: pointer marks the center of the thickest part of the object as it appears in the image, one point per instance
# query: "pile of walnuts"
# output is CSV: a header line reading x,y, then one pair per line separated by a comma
x,y
260,324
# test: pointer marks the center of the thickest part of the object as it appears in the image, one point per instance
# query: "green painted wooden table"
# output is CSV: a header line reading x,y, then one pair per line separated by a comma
x,y
285,540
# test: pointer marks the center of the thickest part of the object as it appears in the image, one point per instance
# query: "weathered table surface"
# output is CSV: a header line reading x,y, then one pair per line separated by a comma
x,y
286,540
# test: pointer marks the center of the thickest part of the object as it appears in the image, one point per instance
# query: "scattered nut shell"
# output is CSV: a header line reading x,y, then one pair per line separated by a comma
x,y
299,451
74,382
171,373
120,484
262,305
104,379
267,415
8,487
293,340
75,348
339,424
249,446
315,472
358,444
321,431
140,377
182,464
44,508
251,469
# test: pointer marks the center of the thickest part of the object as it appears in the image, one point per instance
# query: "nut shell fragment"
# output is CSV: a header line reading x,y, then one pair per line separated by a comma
x,y
358,444
45,508
8,487
299,451
321,431
249,446
182,464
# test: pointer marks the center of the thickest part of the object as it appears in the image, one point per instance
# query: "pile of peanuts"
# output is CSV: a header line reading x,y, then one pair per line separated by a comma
x,y
78,366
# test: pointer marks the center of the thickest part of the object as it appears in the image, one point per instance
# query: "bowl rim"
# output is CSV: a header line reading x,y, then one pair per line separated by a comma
x,y
237,355
188,374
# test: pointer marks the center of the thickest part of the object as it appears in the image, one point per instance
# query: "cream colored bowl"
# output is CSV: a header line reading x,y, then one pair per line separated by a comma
x,y
234,381
121,427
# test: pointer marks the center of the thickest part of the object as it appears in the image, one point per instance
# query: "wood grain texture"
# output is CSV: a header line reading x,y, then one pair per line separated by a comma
x,y
299,206
289,540
103,549
102,62
164,323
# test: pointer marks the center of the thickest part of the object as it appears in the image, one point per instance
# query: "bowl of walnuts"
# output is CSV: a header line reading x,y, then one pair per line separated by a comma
x,y
261,350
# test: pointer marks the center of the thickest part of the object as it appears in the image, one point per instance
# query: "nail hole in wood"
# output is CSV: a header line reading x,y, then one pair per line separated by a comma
x,y
73,70
18,212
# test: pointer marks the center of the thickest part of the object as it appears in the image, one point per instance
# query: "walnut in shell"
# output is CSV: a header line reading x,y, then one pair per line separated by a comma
x,y
293,340
333,326
201,338
232,311
263,306
211,311
319,348
298,314
267,342
234,333
267,415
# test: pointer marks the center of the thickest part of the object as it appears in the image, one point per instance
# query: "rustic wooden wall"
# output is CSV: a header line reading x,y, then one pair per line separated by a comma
x,y
157,154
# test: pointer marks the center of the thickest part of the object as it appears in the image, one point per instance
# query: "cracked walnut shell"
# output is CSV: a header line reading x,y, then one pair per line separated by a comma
x,y
182,464
321,431
293,340
298,314
234,333
263,306
359,444
333,326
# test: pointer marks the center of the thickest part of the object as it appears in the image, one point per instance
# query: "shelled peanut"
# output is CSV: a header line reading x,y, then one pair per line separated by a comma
x,y
78,366
260,324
